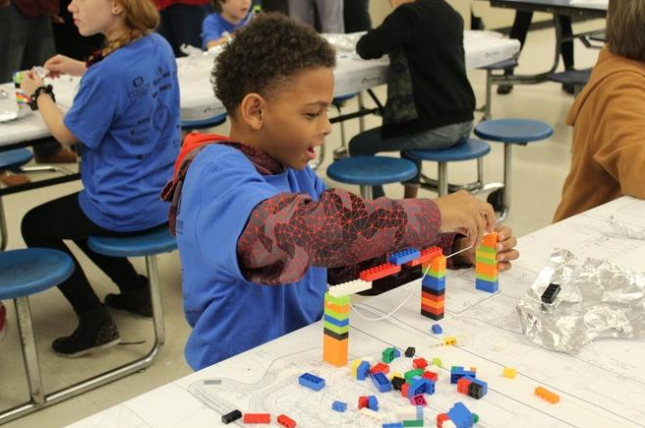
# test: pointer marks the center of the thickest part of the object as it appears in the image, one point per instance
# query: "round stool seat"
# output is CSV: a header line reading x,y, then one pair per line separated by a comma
x,y
204,123
468,150
156,241
14,159
514,131
29,271
371,170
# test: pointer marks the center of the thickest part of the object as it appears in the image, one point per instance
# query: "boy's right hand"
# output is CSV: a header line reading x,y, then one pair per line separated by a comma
x,y
61,64
461,212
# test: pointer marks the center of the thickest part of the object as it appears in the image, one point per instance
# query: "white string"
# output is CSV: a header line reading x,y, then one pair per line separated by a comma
x,y
407,298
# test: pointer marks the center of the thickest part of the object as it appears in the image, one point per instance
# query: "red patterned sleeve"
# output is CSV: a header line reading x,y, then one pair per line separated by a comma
x,y
289,233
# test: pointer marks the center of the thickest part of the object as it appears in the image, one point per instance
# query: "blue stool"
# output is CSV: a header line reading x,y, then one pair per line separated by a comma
x,y
368,171
468,150
192,125
510,132
24,273
492,79
10,160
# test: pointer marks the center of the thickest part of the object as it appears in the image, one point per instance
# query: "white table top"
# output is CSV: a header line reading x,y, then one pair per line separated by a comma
x,y
198,101
603,386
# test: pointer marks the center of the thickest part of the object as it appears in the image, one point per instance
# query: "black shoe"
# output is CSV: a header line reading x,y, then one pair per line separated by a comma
x,y
135,301
95,331
569,89
504,89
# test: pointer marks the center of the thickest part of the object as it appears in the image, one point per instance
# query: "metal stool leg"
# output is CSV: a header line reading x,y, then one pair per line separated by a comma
x,y
155,297
361,120
442,178
3,228
30,355
367,192
508,168
489,97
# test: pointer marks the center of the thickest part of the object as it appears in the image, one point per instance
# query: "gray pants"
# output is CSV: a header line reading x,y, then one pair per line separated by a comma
x,y
330,13
370,142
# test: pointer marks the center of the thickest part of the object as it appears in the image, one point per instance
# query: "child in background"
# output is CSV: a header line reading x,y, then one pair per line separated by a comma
x,y
126,116
230,15
259,235
430,102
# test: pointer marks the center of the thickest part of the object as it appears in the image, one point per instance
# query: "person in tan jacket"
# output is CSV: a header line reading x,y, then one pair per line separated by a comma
x,y
608,117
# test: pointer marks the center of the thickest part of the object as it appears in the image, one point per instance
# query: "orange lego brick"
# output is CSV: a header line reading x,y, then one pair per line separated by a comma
x,y
432,297
490,240
435,311
380,271
489,270
547,395
341,309
426,256
432,304
438,264
335,351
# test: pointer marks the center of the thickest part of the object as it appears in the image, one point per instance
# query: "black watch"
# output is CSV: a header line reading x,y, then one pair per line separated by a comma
x,y
49,90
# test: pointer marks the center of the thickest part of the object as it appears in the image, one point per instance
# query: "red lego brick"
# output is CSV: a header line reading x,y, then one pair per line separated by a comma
x,y
380,271
419,363
426,255
441,418
286,421
432,297
257,418
432,310
463,384
430,375
404,390
380,368
363,402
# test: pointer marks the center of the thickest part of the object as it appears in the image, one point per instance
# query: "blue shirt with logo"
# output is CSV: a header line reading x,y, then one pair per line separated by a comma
x,y
229,314
215,26
126,115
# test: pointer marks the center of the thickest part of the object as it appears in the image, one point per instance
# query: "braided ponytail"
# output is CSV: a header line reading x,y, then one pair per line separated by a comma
x,y
141,17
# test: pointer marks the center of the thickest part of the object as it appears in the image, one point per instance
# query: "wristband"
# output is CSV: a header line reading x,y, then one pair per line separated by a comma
x,y
49,90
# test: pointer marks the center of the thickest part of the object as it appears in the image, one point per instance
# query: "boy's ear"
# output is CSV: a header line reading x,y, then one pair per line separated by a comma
x,y
251,109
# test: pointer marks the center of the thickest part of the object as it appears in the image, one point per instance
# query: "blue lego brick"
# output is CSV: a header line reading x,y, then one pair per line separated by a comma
x,y
339,406
381,382
419,413
310,381
363,370
461,416
457,373
334,321
483,285
436,329
420,385
372,403
394,425
434,284
404,256
397,353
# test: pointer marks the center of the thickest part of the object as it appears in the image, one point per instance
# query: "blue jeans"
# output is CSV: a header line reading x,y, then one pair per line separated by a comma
x,y
369,143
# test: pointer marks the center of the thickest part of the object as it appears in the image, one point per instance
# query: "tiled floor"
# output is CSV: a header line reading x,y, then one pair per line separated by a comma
x,y
539,171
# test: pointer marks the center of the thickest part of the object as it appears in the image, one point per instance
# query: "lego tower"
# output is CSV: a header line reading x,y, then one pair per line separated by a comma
x,y
486,271
336,329
433,288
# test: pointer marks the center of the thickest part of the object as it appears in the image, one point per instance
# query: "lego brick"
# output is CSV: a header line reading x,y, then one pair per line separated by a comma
x,y
434,274
450,341
433,297
419,363
372,402
432,304
349,288
433,292
286,421
404,256
486,269
421,385
426,256
550,293
397,353
397,382
363,402
488,286
371,415
431,376
335,335
405,390
433,310
418,400
490,240
336,315
547,395
460,415
436,329
509,372
410,374
381,382
257,418
489,278
410,351
438,264
457,372
485,257
335,351
388,355
339,406
435,317
336,322
441,418
380,368
437,284
413,423
311,381
475,418
380,271
338,330
463,384
477,389
340,301
449,424
363,370
406,412
484,249
437,362
231,417
394,374
393,425
337,310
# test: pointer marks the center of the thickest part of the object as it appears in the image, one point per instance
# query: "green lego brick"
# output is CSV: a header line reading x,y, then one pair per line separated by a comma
x,y
412,373
335,328
437,362
475,418
486,277
433,273
486,261
488,250
336,315
343,300
388,355
418,423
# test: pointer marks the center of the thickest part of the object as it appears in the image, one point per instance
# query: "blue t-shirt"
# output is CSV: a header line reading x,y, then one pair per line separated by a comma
x,y
215,26
230,315
126,115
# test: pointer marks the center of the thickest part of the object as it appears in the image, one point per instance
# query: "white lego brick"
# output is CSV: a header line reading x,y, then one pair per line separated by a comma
x,y
349,288
371,414
449,424
406,413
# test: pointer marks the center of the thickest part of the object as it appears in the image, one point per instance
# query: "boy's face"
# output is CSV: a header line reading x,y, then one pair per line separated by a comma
x,y
236,9
295,118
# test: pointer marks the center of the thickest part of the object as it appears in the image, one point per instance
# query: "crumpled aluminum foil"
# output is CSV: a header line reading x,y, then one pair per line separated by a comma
x,y
598,299
627,231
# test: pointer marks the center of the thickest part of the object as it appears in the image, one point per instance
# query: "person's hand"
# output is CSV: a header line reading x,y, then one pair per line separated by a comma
x,y
505,247
461,212
30,82
61,64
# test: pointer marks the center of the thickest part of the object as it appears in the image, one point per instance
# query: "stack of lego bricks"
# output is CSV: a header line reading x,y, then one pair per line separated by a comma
x,y
336,330
486,271
433,288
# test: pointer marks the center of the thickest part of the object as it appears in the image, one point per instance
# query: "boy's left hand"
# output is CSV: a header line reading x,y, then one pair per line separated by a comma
x,y
30,82
506,251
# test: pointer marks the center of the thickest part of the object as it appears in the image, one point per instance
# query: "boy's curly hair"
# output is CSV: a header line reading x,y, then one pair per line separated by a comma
x,y
263,55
